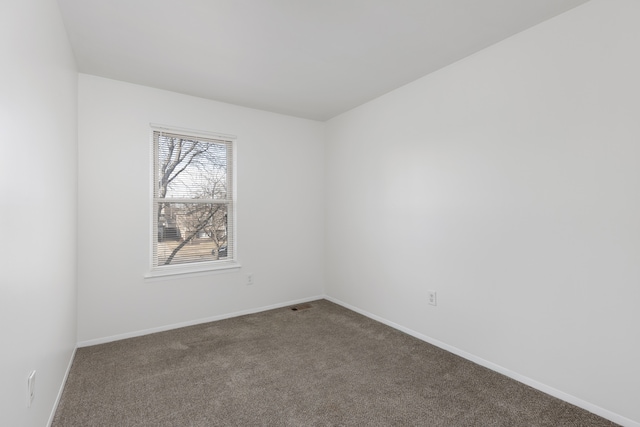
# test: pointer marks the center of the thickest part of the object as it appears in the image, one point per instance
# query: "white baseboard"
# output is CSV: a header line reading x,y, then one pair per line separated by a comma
x,y
64,381
193,322
626,422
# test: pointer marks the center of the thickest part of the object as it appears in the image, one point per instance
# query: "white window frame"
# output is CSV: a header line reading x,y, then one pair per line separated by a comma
x,y
195,268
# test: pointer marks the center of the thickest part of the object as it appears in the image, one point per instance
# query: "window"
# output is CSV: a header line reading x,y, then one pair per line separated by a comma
x,y
193,202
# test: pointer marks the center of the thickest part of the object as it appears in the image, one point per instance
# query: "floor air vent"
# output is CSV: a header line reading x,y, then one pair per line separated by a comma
x,y
300,307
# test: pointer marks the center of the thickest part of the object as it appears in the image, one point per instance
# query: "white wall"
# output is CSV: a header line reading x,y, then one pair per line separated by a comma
x,y
38,126
509,183
280,210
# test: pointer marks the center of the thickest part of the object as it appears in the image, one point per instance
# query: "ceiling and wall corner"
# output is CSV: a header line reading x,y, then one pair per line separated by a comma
x,y
311,59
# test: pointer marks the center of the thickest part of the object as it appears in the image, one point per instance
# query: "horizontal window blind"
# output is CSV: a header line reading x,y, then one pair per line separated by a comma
x,y
192,199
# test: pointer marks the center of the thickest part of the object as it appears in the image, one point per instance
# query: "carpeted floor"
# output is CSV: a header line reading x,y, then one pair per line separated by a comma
x,y
320,365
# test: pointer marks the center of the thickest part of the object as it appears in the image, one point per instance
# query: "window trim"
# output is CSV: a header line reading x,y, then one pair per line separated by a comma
x,y
196,268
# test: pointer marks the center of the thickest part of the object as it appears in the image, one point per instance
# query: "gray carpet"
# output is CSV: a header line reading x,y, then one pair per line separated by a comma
x,y
320,365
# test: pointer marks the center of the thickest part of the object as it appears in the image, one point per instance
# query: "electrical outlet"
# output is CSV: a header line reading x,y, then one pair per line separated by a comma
x,y
250,279
31,388
432,297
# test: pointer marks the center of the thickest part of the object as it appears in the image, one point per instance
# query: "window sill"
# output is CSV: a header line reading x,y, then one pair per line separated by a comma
x,y
200,269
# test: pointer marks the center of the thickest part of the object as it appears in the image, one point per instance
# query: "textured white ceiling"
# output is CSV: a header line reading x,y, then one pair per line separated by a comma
x,y
306,58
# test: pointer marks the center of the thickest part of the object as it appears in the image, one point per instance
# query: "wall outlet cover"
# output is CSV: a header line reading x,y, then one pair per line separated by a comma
x,y
433,300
